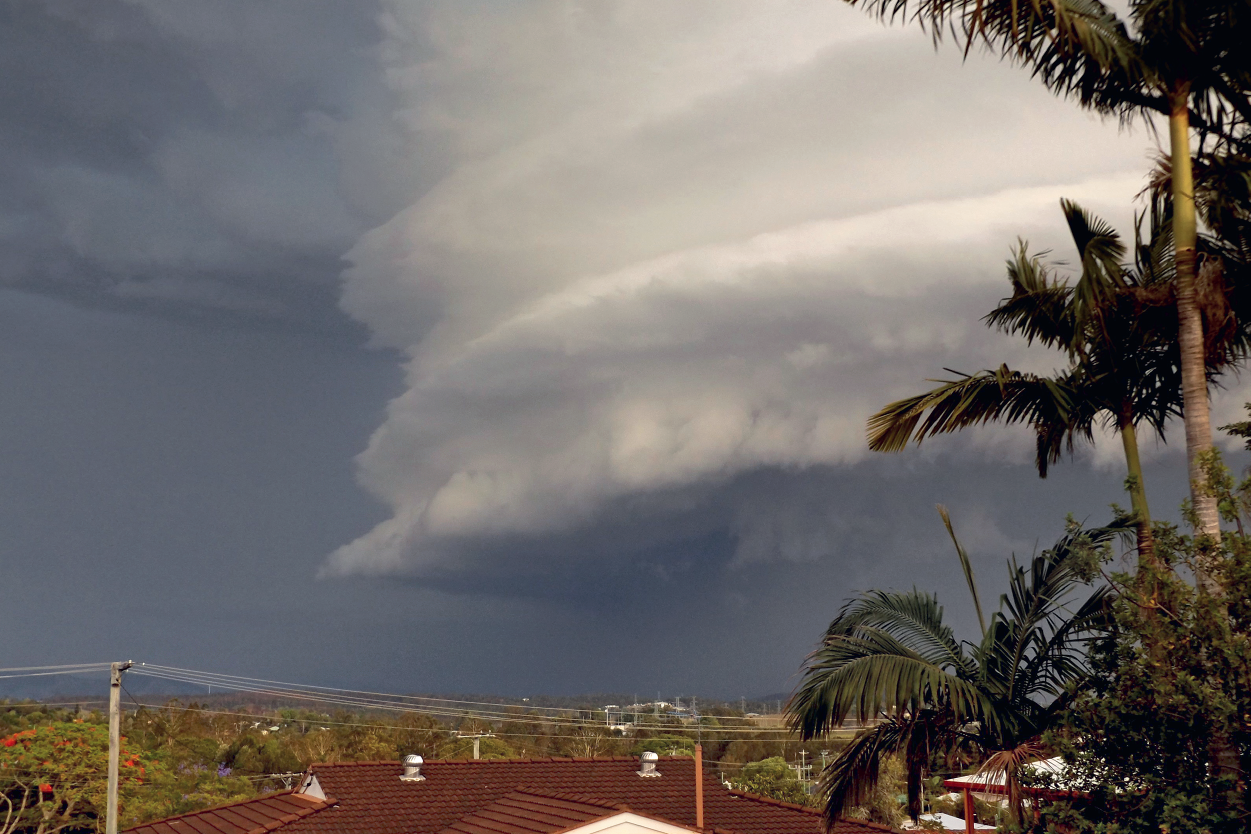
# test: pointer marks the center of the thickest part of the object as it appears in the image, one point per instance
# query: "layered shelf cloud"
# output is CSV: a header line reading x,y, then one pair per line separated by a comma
x,y
673,245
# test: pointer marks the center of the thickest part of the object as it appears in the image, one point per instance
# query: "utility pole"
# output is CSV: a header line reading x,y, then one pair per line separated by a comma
x,y
115,740
477,741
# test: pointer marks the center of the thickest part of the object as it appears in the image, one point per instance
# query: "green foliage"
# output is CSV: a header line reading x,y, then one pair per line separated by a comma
x,y
1169,699
983,812
774,778
488,748
885,802
1121,349
665,744
891,654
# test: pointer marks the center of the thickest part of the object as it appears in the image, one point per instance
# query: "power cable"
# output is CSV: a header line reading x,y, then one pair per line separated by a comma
x,y
240,682
44,671
318,696
395,728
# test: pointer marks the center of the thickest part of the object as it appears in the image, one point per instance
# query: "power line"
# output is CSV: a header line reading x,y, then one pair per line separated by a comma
x,y
395,703
43,671
70,667
396,728
243,683
430,705
367,700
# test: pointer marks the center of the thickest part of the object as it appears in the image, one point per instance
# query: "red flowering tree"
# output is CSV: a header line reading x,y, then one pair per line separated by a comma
x,y
54,778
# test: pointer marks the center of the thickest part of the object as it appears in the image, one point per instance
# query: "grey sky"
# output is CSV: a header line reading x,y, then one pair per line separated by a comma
x,y
508,346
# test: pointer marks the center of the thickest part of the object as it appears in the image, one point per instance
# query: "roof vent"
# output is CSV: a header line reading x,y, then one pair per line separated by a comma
x,y
412,769
647,764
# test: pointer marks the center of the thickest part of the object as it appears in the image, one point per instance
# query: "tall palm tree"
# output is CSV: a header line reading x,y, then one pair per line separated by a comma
x,y
1184,59
889,655
1122,352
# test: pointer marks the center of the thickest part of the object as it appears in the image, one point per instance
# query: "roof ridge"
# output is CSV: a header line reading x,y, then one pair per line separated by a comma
x,y
512,760
313,805
768,800
570,796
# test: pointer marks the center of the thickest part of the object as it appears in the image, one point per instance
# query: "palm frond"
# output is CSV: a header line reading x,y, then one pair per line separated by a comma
x,y
1030,648
965,565
852,776
886,651
1009,764
1100,250
912,617
1039,308
1075,47
1001,395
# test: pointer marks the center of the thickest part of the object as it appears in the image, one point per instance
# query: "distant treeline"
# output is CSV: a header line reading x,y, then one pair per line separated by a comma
x,y
190,754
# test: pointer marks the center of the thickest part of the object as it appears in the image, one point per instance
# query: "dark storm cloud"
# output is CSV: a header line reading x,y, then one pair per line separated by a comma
x,y
675,246
186,157
648,266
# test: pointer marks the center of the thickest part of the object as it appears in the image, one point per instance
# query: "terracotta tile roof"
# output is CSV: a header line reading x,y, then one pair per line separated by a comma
x,y
373,800
254,816
531,812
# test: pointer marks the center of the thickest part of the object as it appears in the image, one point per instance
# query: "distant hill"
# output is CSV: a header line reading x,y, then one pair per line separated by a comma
x,y
93,689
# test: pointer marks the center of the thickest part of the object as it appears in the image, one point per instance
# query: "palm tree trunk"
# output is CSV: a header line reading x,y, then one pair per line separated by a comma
x,y
1190,322
1137,493
1224,756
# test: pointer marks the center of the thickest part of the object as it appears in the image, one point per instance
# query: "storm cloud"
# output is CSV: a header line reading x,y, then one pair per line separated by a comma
x,y
541,333
676,246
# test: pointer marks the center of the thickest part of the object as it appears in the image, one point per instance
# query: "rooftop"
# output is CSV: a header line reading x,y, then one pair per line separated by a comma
x,y
502,796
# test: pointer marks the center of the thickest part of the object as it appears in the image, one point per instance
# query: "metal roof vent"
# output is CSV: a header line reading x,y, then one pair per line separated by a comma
x,y
412,769
647,763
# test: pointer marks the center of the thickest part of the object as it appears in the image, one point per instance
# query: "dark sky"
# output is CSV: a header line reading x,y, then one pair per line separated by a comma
x,y
513,347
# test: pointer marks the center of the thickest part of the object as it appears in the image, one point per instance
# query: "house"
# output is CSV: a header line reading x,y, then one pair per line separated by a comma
x,y
611,795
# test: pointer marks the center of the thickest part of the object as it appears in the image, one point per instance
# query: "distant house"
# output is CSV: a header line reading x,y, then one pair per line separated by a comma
x,y
618,795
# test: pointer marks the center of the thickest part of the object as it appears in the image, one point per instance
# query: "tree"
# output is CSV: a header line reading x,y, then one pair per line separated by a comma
x,y
1123,358
665,744
1185,59
1171,685
890,654
54,778
774,778
489,747
882,804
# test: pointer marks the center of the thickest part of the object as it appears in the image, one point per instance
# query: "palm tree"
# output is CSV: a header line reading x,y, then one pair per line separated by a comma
x,y
1185,59
1122,353
888,654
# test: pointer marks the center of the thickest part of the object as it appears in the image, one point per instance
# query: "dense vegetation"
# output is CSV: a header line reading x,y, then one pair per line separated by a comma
x,y
1140,678
182,756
